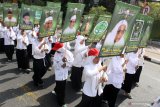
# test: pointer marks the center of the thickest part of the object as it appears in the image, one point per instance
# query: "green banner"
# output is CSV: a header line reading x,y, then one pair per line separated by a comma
x,y
38,14
87,24
60,17
1,12
148,24
48,21
10,14
136,35
27,17
53,4
72,21
119,29
100,29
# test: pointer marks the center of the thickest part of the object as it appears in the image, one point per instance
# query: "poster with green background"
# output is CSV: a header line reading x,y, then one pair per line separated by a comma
x,y
48,21
38,14
1,12
119,29
100,29
72,21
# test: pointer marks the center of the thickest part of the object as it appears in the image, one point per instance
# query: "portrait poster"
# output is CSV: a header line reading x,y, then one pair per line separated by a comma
x,y
136,34
100,29
60,18
48,21
38,14
10,14
72,21
146,31
87,25
120,29
27,17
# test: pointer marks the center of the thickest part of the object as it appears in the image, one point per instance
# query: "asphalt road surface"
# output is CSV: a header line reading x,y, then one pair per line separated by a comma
x,y
17,90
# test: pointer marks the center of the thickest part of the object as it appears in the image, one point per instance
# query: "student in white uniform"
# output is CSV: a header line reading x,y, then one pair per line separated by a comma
x,y
132,64
32,36
115,79
1,36
21,52
140,54
9,37
94,77
80,51
62,63
40,64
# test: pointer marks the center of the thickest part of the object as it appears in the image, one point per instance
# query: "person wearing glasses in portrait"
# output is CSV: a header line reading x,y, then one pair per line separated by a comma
x,y
116,36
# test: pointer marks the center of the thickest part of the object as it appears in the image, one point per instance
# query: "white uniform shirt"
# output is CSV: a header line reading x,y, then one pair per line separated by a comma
x,y
132,63
69,30
92,76
13,19
140,54
9,37
115,72
20,44
60,72
36,52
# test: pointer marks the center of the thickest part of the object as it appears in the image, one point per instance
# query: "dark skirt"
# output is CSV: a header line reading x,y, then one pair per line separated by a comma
x,y
137,74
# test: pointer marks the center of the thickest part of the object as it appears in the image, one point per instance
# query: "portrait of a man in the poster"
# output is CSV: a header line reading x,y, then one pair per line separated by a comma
x,y
26,19
48,23
10,18
116,36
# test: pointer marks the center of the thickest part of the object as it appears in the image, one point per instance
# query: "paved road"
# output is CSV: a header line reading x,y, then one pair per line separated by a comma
x,y
17,90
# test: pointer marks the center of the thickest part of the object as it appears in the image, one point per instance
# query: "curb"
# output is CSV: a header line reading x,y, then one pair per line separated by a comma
x,y
147,58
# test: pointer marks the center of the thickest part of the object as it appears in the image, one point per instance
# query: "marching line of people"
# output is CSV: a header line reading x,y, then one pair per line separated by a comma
x,y
103,78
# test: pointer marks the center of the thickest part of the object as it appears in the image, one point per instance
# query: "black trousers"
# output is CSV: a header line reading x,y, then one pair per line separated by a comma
x,y
90,101
127,86
9,50
76,76
137,74
110,94
22,58
1,44
48,59
29,51
40,69
60,91
52,51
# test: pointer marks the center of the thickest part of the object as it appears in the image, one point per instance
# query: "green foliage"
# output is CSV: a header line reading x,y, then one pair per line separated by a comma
x,y
99,10
155,10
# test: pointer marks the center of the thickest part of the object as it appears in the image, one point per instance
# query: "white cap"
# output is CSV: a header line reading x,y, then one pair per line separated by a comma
x,y
48,18
73,18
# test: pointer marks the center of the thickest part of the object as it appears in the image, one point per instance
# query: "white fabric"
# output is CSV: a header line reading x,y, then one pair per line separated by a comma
x,y
156,103
109,41
132,63
69,30
115,72
13,19
60,72
9,36
31,36
37,53
49,42
48,19
73,18
140,54
92,77
20,44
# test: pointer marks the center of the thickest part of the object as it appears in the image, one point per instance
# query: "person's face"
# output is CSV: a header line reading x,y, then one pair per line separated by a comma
x,y
48,24
96,60
72,23
121,30
9,16
26,19
82,42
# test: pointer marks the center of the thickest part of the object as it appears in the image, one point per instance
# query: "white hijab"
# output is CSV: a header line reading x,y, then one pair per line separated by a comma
x,y
79,46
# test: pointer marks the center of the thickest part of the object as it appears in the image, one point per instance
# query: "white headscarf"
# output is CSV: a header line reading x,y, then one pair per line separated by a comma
x,y
79,46
111,36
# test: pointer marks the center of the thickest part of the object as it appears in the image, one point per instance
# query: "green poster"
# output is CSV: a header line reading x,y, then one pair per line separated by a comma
x,y
27,17
48,21
99,30
136,34
53,4
60,17
10,14
146,31
87,24
72,21
120,29
38,14
1,12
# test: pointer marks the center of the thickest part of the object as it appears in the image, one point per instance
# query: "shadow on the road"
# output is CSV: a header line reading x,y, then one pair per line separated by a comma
x,y
14,71
7,79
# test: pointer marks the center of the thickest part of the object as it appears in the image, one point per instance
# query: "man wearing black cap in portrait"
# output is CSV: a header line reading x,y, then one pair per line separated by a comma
x,y
26,19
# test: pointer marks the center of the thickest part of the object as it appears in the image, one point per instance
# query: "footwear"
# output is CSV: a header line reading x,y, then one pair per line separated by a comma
x,y
53,92
136,84
27,71
50,69
128,95
64,105
9,60
105,101
20,69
